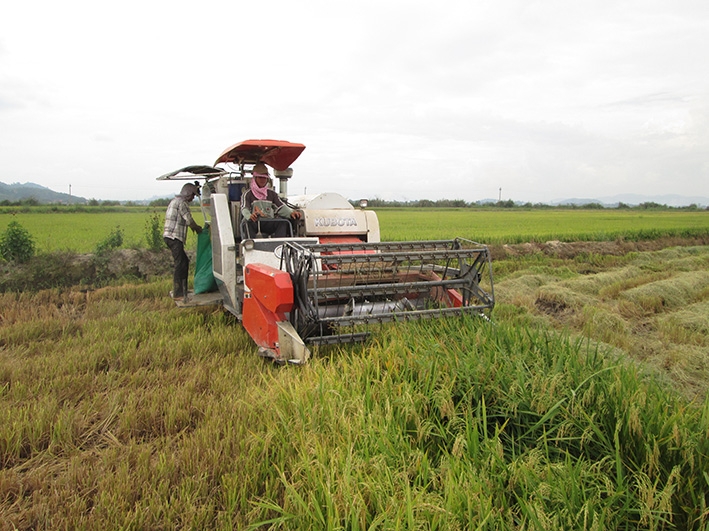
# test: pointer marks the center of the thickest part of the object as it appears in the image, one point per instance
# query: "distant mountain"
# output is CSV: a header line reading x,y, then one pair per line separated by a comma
x,y
19,191
672,200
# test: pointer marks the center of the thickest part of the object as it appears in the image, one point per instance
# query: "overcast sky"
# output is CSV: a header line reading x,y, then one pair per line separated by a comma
x,y
396,99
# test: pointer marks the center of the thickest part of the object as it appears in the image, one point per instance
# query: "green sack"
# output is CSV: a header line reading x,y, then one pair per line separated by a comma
x,y
203,275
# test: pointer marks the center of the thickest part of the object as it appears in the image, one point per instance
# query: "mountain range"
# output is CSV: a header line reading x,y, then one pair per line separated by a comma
x,y
20,191
672,200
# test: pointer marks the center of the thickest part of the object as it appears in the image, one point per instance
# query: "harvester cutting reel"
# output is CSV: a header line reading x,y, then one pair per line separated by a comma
x,y
333,293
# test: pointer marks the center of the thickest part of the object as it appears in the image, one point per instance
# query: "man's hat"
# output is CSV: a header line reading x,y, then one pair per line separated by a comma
x,y
188,189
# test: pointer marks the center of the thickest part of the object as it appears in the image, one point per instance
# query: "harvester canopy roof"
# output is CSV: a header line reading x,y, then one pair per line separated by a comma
x,y
190,172
279,154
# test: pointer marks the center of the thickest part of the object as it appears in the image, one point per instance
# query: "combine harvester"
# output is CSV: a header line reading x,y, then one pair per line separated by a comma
x,y
331,277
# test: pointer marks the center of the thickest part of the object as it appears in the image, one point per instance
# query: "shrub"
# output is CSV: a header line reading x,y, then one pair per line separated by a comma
x,y
153,232
16,244
113,241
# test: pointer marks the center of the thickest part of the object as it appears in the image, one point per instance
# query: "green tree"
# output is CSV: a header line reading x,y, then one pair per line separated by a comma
x,y
113,241
506,204
651,205
16,243
153,232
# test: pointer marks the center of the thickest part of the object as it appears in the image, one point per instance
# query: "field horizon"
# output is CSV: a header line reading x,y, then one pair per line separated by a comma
x,y
82,231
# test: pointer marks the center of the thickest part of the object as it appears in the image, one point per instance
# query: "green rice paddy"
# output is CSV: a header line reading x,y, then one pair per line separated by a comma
x,y
81,231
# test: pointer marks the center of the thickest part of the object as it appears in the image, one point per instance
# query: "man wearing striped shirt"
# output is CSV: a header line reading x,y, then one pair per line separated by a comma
x,y
177,218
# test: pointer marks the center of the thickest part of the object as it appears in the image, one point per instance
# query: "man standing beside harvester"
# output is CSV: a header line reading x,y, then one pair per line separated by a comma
x,y
177,218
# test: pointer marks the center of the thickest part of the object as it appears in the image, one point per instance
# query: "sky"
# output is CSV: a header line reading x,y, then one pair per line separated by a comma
x,y
394,99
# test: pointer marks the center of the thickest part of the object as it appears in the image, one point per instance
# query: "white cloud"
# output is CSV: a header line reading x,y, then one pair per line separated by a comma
x,y
393,99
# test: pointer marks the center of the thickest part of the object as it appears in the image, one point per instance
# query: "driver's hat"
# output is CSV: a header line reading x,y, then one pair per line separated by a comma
x,y
260,169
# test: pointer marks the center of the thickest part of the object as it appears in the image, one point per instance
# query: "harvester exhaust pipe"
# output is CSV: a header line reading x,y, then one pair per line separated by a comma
x,y
283,176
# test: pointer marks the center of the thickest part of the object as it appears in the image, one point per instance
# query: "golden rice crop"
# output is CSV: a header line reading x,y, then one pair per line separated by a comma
x,y
118,410
677,291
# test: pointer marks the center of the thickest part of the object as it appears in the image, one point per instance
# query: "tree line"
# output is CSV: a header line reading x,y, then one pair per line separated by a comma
x,y
379,203
509,203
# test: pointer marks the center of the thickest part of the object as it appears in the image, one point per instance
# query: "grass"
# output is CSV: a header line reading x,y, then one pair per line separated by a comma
x,y
82,231
519,226
652,306
583,406
118,410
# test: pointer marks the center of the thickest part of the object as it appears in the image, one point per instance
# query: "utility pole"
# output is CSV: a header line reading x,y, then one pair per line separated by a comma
x,y
500,196
69,190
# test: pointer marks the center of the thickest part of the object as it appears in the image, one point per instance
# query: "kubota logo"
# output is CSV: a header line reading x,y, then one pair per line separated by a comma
x,y
335,222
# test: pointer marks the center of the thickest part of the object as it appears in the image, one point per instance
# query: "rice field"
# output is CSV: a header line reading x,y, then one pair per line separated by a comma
x,y
518,226
81,231
651,307
119,411
583,405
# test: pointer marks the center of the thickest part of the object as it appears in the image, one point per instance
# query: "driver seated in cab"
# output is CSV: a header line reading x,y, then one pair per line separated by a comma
x,y
263,210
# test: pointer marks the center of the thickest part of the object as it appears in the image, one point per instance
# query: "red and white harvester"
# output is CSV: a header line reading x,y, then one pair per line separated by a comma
x,y
332,277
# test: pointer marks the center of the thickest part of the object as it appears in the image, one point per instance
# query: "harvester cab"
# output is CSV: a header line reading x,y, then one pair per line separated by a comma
x,y
330,278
